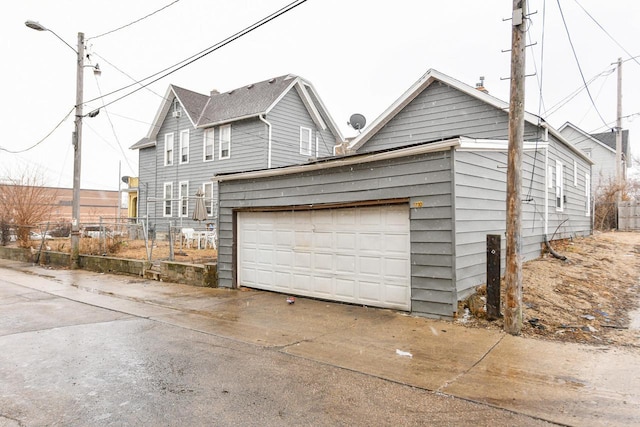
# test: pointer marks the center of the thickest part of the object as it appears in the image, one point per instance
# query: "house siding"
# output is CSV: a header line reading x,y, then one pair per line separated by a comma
x,y
286,118
422,179
604,170
441,112
572,221
480,200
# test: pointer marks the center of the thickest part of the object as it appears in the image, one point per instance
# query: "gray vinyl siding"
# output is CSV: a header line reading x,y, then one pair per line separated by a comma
x,y
604,170
480,201
423,178
442,112
286,118
249,151
572,221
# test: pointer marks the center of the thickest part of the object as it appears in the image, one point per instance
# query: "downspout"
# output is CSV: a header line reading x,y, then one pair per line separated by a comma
x,y
547,180
262,119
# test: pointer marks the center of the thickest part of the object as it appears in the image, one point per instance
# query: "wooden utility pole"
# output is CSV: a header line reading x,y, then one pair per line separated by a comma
x,y
619,180
513,273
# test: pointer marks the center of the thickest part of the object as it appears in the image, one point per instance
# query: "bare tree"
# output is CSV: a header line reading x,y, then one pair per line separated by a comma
x,y
25,202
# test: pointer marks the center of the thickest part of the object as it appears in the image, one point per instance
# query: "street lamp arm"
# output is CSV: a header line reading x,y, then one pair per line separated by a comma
x,y
34,25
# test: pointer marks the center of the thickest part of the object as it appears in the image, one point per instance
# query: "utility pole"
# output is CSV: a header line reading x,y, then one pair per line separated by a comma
x,y
513,273
619,180
77,157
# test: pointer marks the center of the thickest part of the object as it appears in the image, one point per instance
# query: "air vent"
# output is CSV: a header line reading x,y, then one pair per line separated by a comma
x,y
177,114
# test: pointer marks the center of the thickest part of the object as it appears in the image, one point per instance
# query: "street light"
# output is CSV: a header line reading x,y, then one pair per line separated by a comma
x,y
77,138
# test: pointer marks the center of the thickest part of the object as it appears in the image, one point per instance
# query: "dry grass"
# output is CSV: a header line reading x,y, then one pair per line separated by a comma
x,y
601,278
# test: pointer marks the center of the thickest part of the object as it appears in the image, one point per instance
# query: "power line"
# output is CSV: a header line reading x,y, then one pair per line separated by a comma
x,y
557,106
135,22
178,66
578,62
42,140
631,57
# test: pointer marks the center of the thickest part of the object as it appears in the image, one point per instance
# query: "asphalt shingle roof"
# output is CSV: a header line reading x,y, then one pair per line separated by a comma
x,y
245,101
609,139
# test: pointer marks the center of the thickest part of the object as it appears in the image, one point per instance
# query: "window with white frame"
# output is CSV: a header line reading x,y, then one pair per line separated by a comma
x,y
168,149
559,186
208,145
184,198
305,141
575,173
207,188
225,142
184,146
587,193
168,203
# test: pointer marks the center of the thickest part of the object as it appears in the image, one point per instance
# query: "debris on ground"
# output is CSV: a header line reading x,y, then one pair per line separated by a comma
x,y
588,298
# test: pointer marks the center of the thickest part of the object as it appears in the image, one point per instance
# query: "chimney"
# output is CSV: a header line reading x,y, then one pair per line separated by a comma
x,y
480,85
214,92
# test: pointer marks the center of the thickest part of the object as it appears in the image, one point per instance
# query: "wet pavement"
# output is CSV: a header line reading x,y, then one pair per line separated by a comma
x,y
90,317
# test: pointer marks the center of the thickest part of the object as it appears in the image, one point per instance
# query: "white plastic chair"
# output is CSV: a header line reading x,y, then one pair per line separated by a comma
x,y
187,236
212,237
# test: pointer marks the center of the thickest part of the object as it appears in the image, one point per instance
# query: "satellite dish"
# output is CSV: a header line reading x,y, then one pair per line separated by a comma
x,y
125,179
357,121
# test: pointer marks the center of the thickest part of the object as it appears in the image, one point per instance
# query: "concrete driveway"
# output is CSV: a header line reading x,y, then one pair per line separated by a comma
x,y
562,383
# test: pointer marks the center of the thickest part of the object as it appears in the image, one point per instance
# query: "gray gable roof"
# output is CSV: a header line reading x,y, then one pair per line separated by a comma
x,y
609,139
244,102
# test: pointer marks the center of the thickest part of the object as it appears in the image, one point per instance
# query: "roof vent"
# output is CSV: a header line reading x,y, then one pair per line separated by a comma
x,y
231,92
250,86
480,85
272,80
214,92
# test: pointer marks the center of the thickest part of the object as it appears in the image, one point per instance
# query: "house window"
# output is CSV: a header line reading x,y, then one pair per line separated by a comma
x,y
587,193
208,144
184,146
225,141
207,187
559,186
168,194
184,198
305,141
575,173
168,149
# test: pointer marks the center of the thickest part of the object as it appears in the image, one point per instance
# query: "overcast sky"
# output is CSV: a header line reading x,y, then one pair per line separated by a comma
x,y
360,55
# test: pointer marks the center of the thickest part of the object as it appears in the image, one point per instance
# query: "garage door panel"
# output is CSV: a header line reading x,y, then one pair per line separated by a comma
x,y
358,255
323,261
369,242
369,265
346,264
346,289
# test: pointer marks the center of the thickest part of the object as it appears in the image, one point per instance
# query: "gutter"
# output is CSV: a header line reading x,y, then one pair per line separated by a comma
x,y
262,119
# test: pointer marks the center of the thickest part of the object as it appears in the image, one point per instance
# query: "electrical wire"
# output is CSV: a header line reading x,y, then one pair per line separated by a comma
x,y
182,64
557,106
134,22
578,62
127,75
113,129
631,57
42,140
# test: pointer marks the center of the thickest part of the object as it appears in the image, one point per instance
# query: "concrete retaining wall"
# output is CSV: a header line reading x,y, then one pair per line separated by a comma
x,y
190,274
177,272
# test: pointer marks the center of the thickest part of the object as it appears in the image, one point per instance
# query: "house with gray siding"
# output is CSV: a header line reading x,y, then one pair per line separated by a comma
x,y
264,125
601,148
401,220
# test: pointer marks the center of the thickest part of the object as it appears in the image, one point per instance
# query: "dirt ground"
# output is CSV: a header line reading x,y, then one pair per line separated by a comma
x,y
589,298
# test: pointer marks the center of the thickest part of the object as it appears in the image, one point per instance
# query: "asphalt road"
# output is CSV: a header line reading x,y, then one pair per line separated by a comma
x,y
69,363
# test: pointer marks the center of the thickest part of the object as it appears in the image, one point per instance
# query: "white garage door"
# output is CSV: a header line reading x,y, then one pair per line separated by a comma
x,y
358,255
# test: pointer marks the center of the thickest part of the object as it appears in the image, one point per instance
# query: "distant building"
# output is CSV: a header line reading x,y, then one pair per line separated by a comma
x,y
94,204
